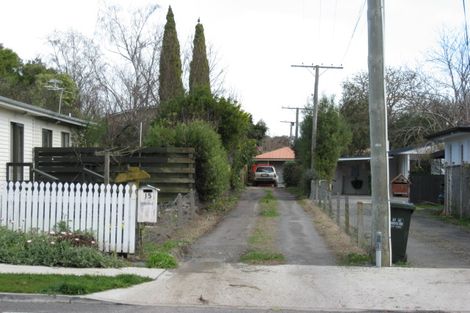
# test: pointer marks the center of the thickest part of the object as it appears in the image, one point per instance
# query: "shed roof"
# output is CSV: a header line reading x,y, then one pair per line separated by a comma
x,y
39,112
282,154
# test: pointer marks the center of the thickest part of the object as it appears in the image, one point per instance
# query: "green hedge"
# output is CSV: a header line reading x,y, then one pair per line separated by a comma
x,y
212,166
292,174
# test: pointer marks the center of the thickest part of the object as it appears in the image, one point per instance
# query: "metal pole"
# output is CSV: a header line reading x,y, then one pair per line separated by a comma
x,y
378,129
378,249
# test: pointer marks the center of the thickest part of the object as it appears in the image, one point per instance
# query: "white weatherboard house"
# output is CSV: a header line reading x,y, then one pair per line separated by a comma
x,y
457,169
23,127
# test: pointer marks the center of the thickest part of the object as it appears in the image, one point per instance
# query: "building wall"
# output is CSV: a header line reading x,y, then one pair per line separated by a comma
x,y
346,172
32,132
457,150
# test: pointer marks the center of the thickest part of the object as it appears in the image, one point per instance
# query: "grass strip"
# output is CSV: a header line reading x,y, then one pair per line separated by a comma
x,y
269,205
262,241
65,284
262,257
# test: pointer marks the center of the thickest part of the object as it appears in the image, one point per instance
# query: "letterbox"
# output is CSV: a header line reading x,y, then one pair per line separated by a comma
x,y
147,209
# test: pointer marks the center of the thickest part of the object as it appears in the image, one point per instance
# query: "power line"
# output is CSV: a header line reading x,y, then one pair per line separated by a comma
x,y
465,19
354,30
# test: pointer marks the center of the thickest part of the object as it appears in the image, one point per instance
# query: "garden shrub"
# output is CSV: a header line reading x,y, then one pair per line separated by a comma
x,y
212,167
292,174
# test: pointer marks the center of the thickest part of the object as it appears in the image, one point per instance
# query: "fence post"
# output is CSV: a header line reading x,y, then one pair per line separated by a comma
x,y
338,208
360,223
179,207
346,214
330,203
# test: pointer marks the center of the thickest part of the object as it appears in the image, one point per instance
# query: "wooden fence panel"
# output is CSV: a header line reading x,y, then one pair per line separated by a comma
x,y
109,212
172,170
426,188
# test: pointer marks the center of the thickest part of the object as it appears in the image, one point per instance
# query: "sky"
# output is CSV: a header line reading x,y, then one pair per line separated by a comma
x,y
257,41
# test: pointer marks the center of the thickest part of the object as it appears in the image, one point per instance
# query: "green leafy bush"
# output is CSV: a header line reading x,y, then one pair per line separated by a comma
x,y
292,173
212,167
225,115
49,250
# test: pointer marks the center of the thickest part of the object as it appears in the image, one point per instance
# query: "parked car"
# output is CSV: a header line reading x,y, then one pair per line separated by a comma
x,y
265,174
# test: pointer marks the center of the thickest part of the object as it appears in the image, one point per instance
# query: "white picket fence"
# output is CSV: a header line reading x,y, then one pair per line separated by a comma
x,y
108,211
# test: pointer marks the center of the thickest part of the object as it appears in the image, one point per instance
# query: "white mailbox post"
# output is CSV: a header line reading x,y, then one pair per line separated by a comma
x,y
147,204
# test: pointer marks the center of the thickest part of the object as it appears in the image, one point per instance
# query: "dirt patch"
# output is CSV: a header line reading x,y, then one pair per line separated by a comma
x,y
336,239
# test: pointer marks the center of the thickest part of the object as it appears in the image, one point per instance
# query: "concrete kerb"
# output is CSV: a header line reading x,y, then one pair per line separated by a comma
x,y
152,273
42,298
303,287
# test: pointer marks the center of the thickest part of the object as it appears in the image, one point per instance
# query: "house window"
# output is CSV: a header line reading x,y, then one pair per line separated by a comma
x,y
65,139
17,150
46,138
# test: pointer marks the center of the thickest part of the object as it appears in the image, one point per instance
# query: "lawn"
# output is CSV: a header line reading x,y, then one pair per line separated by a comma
x,y
65,284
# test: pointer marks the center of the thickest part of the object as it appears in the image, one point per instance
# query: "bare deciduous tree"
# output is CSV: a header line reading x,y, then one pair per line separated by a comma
x,y
453,59
132,80
80,58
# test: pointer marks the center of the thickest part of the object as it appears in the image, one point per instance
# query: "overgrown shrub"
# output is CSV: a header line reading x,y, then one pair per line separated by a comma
x,y
292,173
50,250
212,166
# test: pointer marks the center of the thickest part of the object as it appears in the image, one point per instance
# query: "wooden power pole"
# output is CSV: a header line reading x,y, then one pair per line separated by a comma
x,y
315,108
378,130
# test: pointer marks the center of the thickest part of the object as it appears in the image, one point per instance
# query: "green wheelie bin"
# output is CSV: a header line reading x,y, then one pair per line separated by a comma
x,y
400,226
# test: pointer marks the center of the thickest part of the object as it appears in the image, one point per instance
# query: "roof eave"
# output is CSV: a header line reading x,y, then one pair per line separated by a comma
x,y
40,112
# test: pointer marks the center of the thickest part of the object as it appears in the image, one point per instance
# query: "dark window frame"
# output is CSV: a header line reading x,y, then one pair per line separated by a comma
x,y
47,138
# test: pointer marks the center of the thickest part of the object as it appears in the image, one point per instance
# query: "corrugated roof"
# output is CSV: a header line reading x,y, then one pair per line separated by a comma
x,y
282,154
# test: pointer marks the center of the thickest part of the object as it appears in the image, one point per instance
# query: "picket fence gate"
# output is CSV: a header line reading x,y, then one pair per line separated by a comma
x,y
107,211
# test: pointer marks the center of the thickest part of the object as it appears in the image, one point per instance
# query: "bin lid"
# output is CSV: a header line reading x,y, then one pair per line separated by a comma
x,y
402,205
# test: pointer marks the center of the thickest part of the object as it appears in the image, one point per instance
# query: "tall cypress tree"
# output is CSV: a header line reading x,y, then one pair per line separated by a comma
x,y
171,85
199,66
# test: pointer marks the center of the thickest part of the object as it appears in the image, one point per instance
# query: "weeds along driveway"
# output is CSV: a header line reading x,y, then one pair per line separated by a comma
x,y
297,238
